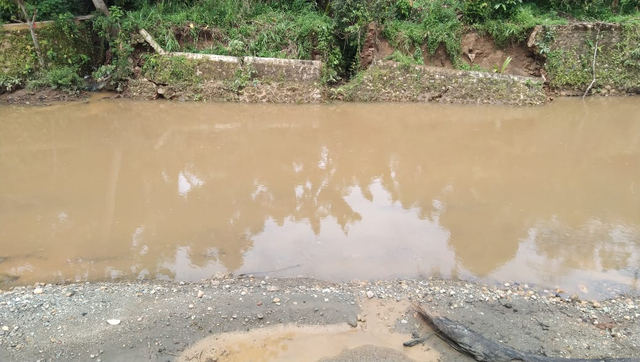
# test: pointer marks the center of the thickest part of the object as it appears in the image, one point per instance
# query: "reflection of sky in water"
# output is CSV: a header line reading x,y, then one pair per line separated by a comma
x,y
187,181
593,252
386,240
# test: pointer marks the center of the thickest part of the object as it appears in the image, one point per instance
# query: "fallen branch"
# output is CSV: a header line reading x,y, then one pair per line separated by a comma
x,y
417,341
595,53
473,344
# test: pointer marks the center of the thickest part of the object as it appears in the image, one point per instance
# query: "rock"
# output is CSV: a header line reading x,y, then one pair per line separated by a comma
x,y
404,321
190,306
361,318
260,316
352,320
370,294
574,297
5,328
38,291
595,304
113,322
200,294
276,300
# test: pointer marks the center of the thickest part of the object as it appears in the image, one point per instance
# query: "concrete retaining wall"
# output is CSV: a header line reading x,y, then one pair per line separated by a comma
x,y
219,67
211,67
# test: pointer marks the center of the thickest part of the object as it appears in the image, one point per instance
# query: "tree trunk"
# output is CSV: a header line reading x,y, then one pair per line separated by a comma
x,y
100,5
34,37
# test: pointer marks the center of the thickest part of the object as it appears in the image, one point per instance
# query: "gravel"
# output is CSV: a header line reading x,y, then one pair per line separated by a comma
x,y
158,320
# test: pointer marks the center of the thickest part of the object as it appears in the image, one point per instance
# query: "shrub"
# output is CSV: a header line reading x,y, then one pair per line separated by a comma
x,y
63,78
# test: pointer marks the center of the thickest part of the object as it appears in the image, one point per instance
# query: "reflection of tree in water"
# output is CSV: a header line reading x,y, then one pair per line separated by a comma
x,y
482,182
595,245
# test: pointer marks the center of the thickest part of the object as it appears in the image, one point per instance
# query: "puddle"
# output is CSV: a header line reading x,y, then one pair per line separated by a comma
x,y
118,189
309,343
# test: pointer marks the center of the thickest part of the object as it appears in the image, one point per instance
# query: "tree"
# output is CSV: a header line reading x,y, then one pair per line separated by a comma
x,y
100,5
34,37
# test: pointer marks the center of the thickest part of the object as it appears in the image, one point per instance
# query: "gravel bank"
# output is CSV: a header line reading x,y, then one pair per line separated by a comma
x,y
161,321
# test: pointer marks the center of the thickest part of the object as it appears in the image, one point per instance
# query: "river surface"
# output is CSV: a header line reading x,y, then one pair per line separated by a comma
x,y
111,189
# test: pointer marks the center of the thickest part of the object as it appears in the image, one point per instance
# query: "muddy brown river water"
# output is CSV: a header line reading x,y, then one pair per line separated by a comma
x,y
111,189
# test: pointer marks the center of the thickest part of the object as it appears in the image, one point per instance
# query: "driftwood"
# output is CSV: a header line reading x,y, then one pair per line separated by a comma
x,y
473,344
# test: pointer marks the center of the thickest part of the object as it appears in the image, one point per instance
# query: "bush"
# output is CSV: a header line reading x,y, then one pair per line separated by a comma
x,y
443,27
9,83
63,78
46,9
403,59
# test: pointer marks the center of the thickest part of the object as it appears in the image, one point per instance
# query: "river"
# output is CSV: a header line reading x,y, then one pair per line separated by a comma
x,y
116,189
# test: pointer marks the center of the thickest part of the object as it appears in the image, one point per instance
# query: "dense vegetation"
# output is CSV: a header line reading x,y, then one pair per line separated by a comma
x,y
330,30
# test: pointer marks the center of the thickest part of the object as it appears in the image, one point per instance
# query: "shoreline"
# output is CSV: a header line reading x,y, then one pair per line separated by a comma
x,y
171,320
48,97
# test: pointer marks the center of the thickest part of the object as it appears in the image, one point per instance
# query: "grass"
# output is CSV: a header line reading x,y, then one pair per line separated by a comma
x,y
297,29
237,27
517,26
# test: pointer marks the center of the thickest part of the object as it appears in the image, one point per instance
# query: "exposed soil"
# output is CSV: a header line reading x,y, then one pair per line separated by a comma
x,y
368,54
440,58
229,319
384,49
477,50
482,51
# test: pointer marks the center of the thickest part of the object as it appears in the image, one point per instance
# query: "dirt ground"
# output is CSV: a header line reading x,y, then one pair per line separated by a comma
x,y
264,319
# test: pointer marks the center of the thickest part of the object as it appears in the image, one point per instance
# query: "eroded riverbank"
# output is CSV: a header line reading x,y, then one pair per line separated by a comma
x,y
232,319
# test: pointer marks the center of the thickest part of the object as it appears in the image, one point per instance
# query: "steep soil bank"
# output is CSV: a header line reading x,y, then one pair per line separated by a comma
x,y
226,319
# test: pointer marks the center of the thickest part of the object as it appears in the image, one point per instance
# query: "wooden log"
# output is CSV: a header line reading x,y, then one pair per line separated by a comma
x,y
475,345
